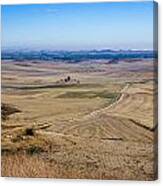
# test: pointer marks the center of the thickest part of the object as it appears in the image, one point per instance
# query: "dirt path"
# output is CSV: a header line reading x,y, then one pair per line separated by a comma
x,y
109,123
103,110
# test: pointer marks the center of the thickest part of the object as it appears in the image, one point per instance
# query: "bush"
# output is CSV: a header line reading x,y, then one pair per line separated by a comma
x,y
7,110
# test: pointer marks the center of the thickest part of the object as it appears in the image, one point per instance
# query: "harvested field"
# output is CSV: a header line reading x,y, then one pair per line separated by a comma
x,y
100,127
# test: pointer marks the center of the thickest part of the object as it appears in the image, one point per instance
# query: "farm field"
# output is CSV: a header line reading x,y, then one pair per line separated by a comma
x,y
79,120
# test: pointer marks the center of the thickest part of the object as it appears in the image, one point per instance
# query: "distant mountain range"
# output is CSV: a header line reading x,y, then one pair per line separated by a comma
x,y
76,56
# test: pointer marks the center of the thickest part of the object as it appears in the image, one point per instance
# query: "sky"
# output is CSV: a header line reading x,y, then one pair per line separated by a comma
x,y
80,26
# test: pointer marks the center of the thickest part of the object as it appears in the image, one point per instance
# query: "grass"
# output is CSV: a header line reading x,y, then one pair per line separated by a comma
x,y
33,166
52,137
50,86
89,94
24,165
110,97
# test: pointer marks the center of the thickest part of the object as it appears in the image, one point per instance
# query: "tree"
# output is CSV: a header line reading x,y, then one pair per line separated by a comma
x,y
68,78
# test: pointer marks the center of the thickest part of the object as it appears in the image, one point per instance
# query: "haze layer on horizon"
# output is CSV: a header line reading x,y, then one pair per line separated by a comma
x,y
118,25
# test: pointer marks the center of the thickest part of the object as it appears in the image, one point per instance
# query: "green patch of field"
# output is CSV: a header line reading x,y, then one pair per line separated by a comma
x,y
90,94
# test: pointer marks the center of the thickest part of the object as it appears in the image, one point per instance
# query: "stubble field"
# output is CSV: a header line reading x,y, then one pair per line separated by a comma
x,y
86,120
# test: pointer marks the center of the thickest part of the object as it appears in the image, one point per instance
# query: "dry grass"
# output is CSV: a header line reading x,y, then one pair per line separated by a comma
x,y
137,101
34,167
77,161
24,166
106,132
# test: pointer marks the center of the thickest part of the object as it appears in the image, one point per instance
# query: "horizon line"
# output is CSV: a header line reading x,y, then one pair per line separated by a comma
x,y
83,49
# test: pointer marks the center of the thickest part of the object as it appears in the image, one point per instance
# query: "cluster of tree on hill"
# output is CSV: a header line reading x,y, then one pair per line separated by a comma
x,y
69,80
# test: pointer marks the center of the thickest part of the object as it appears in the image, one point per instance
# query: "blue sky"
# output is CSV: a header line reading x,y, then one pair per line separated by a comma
x,y
115,25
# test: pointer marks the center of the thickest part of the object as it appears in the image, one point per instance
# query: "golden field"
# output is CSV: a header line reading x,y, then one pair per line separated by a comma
x,y
86,120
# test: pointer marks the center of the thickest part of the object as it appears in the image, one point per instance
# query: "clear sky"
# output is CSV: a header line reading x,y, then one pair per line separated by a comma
x,y
115,25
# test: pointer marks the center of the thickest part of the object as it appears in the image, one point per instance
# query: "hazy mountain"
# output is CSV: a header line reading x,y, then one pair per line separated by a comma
x,y
76,55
